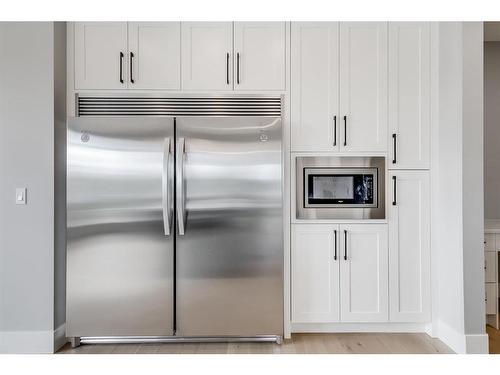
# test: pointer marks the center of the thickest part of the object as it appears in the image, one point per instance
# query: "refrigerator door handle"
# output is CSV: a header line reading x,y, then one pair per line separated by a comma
x,y
181,204
165,193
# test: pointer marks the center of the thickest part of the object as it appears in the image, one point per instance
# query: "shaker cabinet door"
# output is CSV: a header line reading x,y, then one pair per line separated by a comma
x,y
101,55
259,56
409,247
315,86
207,53
364,273
409,95
315,273
363,86
154,55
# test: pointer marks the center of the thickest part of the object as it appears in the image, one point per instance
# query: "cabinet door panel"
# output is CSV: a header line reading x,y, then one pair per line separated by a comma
x,y
261,47
157,53
489,242
491,298
363,86
315,273
315,86
490,269
409,94
205,50
409,250
364,275
97,55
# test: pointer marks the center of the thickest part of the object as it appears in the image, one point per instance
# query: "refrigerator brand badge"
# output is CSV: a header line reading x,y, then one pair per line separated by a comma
x,y
263,137
85,137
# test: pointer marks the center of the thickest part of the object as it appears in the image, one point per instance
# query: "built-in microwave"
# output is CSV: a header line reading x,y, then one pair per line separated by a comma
x,y
340,187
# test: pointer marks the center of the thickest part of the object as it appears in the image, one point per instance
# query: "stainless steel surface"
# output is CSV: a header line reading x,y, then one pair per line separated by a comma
x,y
176,339
167,179
75,342
316,213
336,170
150,105
229,263
181,187
119,261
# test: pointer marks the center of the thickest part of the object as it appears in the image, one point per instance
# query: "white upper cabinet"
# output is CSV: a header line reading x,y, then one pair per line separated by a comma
x,y
364,273
154,55
363,86
207,49
409,246
315,86
100,55
409,95
315,273
259,55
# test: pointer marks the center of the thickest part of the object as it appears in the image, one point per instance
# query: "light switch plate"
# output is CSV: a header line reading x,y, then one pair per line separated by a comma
x,y
21,195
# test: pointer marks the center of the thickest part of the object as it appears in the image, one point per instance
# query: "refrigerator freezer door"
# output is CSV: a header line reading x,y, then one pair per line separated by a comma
x,y
229,261
119,226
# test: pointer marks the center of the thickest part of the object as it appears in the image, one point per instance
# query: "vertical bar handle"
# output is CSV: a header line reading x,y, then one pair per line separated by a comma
x,y
394,188
335,248
227,68
335,130
121,67
181,201
165,184
345,244
345,130
131,67
394,143
238,68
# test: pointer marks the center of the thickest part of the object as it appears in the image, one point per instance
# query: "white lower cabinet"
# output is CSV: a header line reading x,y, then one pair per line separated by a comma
x,y
409,246
334,280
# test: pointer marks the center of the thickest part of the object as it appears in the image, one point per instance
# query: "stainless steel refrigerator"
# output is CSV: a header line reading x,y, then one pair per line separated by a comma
x,y
174,228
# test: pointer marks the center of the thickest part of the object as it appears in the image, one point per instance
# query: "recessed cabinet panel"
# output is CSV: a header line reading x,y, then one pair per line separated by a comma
x,y
491,298
409,94
315,273
259,56
364,273
490,266
101,55
409,247
207,56
363,86
154,55
315,86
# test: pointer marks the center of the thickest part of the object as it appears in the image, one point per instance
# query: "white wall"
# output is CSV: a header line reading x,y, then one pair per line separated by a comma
x,y
28,113
492,130
458,226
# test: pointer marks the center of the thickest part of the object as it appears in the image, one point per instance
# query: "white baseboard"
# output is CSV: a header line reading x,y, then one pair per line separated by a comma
x,y
461,343
32,342
357,327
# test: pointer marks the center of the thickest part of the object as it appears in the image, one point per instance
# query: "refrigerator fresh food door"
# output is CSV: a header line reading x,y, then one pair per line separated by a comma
x,y
229,250
120,192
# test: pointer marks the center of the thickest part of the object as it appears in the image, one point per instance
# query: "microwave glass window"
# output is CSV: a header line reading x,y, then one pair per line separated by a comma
x,y
340,189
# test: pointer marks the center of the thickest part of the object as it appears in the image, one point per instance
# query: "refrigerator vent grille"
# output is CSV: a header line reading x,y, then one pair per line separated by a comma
x,y
192,106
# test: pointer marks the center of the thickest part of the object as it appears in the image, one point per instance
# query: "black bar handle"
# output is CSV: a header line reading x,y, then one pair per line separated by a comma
x,y
121,67
335,239
238,68
345,244
394,202
335,130
131,67
227,68
345,130
394,148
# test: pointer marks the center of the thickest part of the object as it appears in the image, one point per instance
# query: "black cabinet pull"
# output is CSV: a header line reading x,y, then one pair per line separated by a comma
x,y
131,67
121,67
335,130
227,68
335,248
394,148
394,202
345,130
345,244
238,68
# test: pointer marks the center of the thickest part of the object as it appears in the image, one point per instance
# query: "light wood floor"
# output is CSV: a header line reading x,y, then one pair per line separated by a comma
x,y
310,343
494,339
